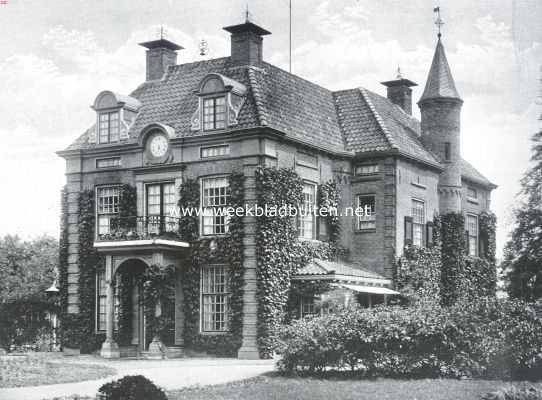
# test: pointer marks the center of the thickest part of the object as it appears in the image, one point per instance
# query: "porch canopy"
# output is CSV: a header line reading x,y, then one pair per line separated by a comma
x,y
349,276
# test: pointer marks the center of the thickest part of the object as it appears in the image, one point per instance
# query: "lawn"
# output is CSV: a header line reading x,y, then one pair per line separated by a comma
x,y
276,387
33,370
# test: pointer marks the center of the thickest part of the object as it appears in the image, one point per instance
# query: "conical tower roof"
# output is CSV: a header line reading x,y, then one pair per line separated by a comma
x,y
440,82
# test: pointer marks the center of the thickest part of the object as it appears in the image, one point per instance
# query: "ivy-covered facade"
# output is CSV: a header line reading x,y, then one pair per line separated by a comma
x,y
163,252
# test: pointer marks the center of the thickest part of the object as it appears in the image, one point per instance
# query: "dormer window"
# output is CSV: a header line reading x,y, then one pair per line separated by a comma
x,y
214,113
115,114
220,100
109,127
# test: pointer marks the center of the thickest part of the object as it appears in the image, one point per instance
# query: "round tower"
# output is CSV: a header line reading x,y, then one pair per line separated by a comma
x,y
440,107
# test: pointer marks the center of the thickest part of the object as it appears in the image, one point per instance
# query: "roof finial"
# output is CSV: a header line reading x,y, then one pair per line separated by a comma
x,y
247,14
399,74
203,47
162,32
438,22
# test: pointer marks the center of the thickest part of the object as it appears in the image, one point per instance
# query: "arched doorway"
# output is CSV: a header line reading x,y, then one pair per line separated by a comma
x,y
129,306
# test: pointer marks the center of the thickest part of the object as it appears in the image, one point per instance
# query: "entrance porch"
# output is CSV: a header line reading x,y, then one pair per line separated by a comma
x,y
136,324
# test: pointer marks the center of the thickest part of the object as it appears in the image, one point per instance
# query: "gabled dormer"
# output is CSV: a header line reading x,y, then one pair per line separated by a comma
x,y
220,100
115,114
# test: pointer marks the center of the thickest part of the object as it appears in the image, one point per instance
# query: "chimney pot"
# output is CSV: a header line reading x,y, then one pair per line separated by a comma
x,y
400,93
246,43
161,54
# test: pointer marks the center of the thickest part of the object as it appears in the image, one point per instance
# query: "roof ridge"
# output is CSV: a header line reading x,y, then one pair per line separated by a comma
x,y
178,66
260,107
379,120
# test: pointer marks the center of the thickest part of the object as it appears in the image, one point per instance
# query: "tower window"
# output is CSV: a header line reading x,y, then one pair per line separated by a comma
x,y
447,151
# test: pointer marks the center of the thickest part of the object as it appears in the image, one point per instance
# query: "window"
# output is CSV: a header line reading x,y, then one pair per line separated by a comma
x,y
307,220
160,207
447,151
109,127
110,162
215,151
107,207
366,169
215,197
307,307
472,233
368,219
472,193
214,113
418,222
101,301
214,298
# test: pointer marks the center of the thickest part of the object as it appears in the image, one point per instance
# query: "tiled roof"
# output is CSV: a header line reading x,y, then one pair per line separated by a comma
x,y
355,120
440,82
470,173
323,267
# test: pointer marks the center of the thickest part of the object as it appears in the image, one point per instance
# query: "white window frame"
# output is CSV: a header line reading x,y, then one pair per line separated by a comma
x,y
224,122
473,246
111,162
214,221
366,169
109,138
308,222
418,222
170,223
307,306
220,150
368,220
106,215
213,294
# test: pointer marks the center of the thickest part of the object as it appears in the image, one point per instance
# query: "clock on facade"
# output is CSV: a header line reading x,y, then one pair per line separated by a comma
x,y
158,150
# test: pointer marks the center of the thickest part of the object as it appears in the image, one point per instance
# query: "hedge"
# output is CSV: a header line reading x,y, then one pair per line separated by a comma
x,y
489,338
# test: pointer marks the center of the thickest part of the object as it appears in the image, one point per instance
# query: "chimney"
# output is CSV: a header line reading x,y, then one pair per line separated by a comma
x,y
400,92
161,54
246,43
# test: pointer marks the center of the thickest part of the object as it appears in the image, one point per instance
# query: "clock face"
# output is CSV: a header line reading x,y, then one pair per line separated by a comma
x,y
158,146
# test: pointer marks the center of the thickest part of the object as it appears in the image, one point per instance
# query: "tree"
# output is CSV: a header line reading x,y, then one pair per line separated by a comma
x,y
27,268
522,262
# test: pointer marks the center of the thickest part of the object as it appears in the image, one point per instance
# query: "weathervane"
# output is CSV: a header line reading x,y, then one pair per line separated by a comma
x,y
399,74
162,32
247,14
438,22
203,47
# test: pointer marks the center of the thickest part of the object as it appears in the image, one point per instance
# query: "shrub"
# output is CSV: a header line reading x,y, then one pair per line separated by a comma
x,y
488,338
131,387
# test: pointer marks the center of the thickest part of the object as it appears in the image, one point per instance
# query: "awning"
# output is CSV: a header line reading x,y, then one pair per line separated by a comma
x,y
369,289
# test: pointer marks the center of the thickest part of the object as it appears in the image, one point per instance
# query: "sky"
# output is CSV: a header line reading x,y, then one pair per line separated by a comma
x,y
57,55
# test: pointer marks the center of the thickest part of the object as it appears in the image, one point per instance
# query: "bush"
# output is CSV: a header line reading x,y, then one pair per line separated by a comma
x,y
131,387
513,393
489,338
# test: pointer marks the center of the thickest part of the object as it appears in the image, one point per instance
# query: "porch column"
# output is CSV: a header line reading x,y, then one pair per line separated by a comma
x,y
110,349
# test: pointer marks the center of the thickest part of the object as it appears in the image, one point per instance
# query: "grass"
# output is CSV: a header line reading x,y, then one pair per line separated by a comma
x,y
272,387
34,370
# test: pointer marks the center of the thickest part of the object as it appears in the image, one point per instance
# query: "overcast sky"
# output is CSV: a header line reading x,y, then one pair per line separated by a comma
x,y
57,55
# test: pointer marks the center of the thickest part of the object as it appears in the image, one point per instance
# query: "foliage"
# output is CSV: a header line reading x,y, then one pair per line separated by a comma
x,y
487,222
131,387
27,269
515,393
523,252
452,236
417,274
492,338
189,198
329,198
159,302
229,251
478,278
276,242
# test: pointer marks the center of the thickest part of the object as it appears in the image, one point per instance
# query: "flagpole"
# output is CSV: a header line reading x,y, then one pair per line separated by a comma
x,y
290,3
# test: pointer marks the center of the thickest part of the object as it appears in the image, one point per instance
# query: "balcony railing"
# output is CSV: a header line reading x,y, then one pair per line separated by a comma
x,y
141,228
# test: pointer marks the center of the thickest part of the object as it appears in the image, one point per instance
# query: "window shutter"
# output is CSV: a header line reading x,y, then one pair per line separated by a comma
x,y
429,234
467,243
408,230
322,231
482,245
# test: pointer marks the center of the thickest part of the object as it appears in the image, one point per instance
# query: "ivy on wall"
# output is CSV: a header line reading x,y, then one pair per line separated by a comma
x,y
228,251
453,256
159,302
487,222
329,198
276,245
